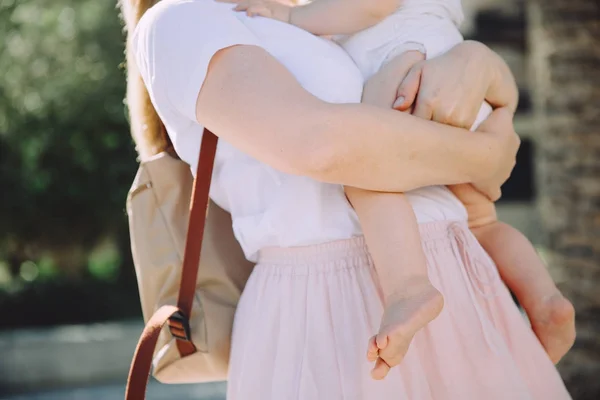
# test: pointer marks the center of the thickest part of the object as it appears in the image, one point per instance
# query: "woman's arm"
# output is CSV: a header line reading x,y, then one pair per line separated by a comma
x,y
253,102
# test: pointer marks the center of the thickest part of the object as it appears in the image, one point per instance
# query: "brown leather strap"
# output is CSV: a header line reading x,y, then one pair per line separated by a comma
x,y
195,234
178,317
144,352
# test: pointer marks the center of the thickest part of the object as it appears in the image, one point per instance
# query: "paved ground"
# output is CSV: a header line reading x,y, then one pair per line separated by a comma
x,y
156,391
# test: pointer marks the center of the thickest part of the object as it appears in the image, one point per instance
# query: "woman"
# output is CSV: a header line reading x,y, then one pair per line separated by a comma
x,y
311,302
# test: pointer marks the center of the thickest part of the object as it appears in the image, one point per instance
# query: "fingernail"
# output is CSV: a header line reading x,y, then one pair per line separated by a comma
x,y
399,101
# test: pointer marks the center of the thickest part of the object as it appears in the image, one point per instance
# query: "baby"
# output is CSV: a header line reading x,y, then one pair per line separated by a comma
x,y
375,33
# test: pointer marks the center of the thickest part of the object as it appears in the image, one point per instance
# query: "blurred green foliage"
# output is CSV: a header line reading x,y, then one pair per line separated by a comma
x,y
67,301
66,156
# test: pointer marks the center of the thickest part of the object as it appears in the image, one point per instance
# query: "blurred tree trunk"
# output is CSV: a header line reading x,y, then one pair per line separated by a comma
x,y
564,38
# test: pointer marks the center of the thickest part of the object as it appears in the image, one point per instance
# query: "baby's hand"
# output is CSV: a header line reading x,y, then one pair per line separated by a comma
x,y
264,8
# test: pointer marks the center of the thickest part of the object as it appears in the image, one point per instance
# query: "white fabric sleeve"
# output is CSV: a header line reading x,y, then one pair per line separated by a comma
x,y
174,43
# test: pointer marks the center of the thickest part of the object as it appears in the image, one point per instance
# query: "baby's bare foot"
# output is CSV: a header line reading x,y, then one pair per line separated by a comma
x,y
553,321
404,316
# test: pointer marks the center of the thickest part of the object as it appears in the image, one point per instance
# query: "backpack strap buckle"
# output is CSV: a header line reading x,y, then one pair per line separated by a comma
x,y
179,326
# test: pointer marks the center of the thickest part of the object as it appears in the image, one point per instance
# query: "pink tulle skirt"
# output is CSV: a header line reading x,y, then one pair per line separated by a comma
x,y
306,315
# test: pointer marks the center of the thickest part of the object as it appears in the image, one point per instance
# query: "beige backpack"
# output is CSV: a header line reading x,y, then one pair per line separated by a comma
x,y
169,213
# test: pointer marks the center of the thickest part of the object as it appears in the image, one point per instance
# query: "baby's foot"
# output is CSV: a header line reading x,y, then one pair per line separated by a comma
x,y
553,321
405,314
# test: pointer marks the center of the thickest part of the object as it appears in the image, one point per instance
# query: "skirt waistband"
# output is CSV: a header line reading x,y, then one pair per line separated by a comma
x,y
353,248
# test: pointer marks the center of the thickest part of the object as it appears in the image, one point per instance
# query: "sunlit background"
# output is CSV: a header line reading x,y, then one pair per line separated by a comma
x,y
69,311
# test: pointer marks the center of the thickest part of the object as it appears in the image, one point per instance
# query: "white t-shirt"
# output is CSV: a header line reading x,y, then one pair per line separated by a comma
x,y
174,43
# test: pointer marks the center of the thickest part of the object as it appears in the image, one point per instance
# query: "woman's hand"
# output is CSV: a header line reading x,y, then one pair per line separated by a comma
x,y
504,144
382,88
453,85
451,88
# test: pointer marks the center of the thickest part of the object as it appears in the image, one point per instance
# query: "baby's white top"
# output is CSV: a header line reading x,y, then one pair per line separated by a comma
x,y
451,9
174,43
430,23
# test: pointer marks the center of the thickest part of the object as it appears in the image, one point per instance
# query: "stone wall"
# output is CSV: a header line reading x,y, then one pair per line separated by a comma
x,y
564,37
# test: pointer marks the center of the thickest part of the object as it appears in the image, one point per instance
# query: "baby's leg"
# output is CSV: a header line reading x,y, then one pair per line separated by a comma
x,y
551,315
410,301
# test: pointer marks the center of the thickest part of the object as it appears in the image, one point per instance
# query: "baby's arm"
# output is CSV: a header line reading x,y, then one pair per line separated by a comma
x,y
341,17
323,17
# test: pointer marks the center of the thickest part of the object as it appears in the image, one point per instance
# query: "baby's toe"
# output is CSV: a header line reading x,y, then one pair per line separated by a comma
x,y
380,370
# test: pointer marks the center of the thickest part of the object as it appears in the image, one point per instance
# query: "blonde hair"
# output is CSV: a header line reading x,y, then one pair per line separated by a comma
x,y
147,129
